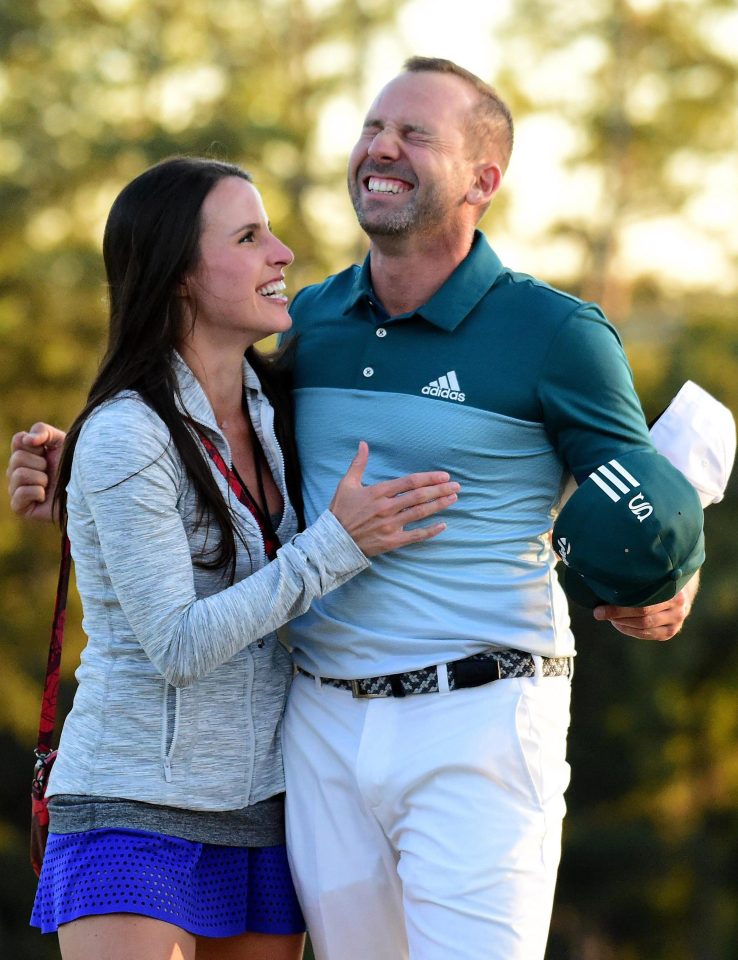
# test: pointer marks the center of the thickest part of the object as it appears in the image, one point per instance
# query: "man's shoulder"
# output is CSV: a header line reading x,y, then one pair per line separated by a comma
x,y
540,306
333,289
527,287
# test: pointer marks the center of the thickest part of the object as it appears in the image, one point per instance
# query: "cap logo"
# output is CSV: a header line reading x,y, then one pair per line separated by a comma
x,y
564,548
616,483
640,507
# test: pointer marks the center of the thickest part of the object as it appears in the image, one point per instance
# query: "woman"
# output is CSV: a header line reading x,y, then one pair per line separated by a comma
x,y
178,483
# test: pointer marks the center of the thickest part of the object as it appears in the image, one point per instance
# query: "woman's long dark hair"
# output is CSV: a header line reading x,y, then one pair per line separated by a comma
x,y
151,243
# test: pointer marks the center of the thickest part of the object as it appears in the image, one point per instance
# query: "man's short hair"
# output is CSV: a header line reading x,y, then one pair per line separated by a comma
x,y
490,122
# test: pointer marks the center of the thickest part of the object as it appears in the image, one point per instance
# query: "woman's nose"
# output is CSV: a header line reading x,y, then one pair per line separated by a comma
x,y
281,254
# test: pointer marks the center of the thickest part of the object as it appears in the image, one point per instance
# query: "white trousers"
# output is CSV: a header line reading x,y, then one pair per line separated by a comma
x,y
427,826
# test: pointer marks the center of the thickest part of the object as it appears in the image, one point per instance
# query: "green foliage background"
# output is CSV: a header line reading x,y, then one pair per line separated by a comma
x,y
92,91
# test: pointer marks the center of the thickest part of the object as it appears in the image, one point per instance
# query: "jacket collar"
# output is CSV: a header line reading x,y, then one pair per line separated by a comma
x,y
192,401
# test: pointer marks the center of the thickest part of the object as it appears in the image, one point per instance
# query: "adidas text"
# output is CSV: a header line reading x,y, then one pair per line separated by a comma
x,y
443,392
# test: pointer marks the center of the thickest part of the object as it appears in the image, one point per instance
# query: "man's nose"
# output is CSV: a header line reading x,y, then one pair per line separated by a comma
x,y
384,146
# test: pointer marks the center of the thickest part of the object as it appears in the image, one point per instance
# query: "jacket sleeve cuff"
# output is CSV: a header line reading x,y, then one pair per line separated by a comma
x,y
332,549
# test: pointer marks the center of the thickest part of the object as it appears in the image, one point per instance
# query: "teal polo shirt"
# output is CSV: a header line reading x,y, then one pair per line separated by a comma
x,y
499,379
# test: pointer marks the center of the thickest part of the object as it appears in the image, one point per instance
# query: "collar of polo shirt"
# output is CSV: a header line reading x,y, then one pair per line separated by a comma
x,y
455,299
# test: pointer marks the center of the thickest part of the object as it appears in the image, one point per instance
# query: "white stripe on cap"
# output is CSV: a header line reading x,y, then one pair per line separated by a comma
x,y
604,487
621,469
615,481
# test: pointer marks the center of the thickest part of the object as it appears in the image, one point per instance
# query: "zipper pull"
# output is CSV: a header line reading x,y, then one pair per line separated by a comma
x,y
167,770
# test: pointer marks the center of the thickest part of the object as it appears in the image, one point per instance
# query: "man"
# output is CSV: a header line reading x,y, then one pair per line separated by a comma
x,y
425,803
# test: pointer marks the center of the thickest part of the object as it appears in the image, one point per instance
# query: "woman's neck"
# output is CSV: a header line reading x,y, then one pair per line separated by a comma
x,y
220,374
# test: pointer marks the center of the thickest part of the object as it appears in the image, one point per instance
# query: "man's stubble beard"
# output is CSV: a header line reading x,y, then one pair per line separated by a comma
x,y
415,216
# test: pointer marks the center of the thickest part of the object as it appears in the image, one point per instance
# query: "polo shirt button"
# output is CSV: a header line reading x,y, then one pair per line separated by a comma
x,y
381,332
368,371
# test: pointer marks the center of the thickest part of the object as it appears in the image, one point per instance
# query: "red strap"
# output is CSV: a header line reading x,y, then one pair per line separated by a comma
x,y
47,721
271,542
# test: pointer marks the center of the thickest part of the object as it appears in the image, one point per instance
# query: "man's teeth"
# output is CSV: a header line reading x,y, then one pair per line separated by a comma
x,y
375,185
272,289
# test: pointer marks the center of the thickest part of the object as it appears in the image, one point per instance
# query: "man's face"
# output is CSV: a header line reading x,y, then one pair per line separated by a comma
x,y
410,169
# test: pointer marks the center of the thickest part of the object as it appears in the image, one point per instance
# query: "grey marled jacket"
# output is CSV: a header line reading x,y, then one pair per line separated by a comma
x,y
179,702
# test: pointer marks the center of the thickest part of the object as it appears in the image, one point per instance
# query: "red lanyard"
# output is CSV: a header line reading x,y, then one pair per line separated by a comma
x,y
271,541
47,721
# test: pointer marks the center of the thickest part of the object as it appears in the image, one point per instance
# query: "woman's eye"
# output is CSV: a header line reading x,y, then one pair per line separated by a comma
x,y
248,237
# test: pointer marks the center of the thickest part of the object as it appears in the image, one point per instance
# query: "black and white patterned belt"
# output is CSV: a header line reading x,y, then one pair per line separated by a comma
x,y
473,671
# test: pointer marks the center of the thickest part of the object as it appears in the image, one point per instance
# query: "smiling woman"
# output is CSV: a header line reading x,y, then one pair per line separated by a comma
x,y
179,488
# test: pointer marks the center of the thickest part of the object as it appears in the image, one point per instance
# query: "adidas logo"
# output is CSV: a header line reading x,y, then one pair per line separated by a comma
x,y
616,482
447,387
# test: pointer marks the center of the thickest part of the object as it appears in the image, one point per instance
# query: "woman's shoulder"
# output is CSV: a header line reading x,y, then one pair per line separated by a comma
x,y
122,436
120,418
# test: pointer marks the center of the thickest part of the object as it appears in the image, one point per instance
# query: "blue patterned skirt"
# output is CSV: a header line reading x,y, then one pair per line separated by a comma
x,y
208,890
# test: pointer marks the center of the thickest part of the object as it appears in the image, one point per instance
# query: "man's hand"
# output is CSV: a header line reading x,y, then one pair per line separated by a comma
x,y
659,622
32,471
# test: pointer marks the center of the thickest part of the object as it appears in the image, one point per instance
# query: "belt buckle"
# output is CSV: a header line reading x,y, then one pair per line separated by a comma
x,y
357,694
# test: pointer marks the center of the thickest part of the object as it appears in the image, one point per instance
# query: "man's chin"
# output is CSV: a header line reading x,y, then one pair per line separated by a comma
x,y
384,226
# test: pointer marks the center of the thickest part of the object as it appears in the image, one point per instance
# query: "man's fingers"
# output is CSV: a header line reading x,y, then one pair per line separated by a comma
x,y
25,497
24,460
659,622
40,435
26,441
664,632
24,477
37,436
677,606
609,612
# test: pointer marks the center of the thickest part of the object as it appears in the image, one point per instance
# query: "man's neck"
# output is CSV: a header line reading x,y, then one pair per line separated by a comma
x,y
407,272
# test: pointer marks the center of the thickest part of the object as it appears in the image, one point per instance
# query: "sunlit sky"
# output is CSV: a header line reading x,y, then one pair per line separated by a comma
x,y
696,246
686,250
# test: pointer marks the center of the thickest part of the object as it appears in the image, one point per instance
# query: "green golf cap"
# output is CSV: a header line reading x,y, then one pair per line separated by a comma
x,y
631,534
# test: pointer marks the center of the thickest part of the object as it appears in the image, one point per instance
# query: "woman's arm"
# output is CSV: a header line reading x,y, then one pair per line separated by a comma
x,y
128,476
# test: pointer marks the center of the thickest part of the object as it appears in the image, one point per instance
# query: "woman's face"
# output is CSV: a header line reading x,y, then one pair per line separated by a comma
x,y
236,289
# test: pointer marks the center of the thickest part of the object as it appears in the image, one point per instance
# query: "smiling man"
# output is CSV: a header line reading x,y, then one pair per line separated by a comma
x,y
425,736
